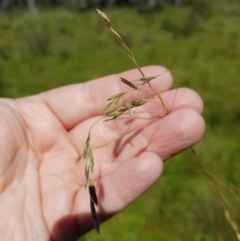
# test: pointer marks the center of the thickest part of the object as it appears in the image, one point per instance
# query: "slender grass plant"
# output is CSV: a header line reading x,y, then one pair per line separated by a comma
x,y
115,108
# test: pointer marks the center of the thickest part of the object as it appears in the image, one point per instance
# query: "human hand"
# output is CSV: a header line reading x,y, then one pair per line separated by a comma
x,y
42,192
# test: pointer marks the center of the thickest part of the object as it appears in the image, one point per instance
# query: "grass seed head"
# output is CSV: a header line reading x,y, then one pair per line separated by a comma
x,y
104,17
86,146
129,83
145,79
89,160
116,96
124,108
114,115
86,176
111,106
89,165
138,102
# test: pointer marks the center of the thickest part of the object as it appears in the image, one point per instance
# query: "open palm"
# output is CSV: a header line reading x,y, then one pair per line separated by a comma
x,y
42,194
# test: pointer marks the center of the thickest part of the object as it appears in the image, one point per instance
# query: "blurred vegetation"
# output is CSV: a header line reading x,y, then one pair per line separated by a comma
x,y
82,5
59,47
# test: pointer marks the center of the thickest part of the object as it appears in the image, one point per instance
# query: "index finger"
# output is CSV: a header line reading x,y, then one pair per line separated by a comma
x,y
75,103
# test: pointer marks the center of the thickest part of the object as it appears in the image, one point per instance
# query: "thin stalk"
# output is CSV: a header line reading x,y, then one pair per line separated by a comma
x,y
119,39
131,56
227,207
159,97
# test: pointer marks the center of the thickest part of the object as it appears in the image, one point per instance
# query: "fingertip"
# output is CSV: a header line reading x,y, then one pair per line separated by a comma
x,y
150,166
185,98
179,130
191,127
131,179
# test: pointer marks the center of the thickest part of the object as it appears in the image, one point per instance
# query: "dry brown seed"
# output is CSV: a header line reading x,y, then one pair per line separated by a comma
x,y
117,96
129,83
111,106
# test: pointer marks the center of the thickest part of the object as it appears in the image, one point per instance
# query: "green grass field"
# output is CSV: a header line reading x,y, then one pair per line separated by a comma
x,y
60,47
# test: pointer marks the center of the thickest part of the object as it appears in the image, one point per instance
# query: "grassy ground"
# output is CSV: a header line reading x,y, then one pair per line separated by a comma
x,y
54,48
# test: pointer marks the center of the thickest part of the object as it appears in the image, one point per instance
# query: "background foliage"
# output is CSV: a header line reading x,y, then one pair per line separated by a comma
x,y
59,47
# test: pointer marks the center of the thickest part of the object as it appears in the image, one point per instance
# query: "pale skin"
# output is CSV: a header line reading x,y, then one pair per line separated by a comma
x,y
42,194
